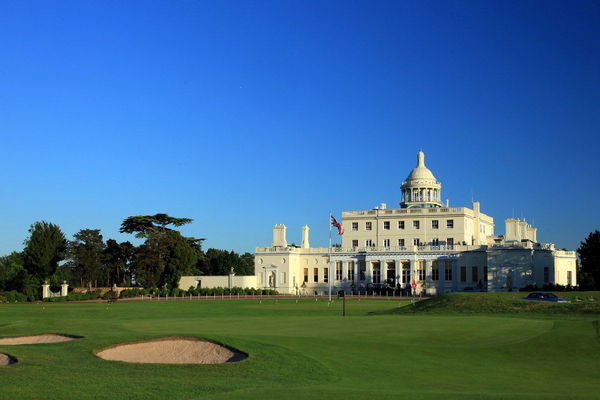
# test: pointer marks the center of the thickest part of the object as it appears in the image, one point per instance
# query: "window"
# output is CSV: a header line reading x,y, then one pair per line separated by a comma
x,y
355,243
435,224
400,224
376,273
485,272
546,274
416,242
326,275
368,243
569,278
405,274
386,242
338,271
450,223
435,242
282,277
435,272
421,270
386,225
416,224
474,274
369,226
362,270
316,275
350,270
305,275
401,242
450,242
355,226
448,270
463,274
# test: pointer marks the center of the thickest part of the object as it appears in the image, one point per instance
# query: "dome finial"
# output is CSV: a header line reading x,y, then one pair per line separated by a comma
x,y
420,159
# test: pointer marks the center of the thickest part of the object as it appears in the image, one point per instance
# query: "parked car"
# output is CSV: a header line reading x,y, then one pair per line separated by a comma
x,y
545,296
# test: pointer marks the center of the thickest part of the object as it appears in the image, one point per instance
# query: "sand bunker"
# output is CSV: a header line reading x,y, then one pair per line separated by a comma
x,y
6,360
172,350
37,339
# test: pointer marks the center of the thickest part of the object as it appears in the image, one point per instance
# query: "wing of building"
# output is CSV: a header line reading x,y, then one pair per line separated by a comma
x,y
440,248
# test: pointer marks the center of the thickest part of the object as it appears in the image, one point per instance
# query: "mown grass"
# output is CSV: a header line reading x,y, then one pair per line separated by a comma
x,y
505,303
304,350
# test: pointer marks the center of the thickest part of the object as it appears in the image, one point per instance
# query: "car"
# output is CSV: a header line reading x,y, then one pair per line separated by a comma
x,y
545,296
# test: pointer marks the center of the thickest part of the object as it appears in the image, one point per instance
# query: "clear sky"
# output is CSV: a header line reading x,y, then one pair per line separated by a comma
x,y
245,114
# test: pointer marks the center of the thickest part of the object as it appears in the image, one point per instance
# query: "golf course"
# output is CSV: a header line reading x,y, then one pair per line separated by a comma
x,y
467,346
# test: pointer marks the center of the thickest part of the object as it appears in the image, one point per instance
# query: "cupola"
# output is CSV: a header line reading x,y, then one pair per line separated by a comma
x,y
421,189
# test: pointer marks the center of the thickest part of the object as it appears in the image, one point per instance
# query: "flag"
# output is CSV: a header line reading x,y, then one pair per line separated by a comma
x,y
338,225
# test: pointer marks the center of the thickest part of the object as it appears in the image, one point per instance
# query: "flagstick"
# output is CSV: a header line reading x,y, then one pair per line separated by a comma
x,y
329,266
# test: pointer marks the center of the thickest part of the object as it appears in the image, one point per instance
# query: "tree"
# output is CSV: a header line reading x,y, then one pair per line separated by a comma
x,y
118,261
85,253
10,267
220,262
145,225
166,254
182,260
246,264
589,253
44,249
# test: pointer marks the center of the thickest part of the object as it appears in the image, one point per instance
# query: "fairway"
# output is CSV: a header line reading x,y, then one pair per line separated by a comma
x,y
303,350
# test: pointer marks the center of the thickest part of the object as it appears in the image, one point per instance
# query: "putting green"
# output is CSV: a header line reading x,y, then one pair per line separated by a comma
x,y
304,350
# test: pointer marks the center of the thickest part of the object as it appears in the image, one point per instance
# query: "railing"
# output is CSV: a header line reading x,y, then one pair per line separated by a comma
x,y
459,210
326,250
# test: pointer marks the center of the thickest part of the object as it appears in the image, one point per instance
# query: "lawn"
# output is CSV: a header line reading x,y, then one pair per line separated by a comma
x,y
305,350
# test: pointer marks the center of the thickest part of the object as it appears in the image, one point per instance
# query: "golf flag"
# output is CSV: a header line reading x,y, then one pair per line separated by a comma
x,y
338,225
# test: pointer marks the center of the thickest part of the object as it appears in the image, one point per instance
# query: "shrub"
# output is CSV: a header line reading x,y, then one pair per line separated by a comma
x,y
110,295
12,297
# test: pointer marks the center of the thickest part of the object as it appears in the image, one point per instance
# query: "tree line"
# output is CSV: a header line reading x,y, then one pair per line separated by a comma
x,y
89,261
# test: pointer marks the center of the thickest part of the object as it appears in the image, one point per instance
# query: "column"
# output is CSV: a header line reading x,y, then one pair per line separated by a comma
x,y
266,278
428,281
413,272
45,290
368,272
344,272
397,272
64,288
356,277
455,274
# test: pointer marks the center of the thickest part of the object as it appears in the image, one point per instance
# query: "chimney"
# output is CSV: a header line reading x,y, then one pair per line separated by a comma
x,y
279,236
305,242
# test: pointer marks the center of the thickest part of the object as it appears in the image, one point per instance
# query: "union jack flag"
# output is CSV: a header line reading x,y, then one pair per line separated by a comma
x,y
338,225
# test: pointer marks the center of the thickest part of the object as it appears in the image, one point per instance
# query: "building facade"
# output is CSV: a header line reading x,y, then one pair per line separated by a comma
x,y
439,248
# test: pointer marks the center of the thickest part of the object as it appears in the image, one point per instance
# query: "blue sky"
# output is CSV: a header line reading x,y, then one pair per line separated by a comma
x,y
244,114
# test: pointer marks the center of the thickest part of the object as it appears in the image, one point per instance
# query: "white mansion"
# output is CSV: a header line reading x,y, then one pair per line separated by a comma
x,y
438,247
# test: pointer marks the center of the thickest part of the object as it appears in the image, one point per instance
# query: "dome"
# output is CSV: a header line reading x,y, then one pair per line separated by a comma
x,y
420,172
421,189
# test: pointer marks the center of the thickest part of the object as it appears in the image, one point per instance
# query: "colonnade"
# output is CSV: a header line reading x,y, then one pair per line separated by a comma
x,y
404,271
421,194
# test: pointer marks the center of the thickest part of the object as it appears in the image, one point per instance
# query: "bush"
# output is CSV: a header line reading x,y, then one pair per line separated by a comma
x,y
12,297
95,294
549,287
110,295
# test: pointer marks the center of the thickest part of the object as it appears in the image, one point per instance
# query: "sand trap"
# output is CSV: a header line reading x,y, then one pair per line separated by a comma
x,y
6,360
172,350
37,339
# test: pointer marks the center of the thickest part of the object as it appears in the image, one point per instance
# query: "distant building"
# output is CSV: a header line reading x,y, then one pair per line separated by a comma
x,y
440,248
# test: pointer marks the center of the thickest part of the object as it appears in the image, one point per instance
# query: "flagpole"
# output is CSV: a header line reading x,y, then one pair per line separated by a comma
x,y
329,265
